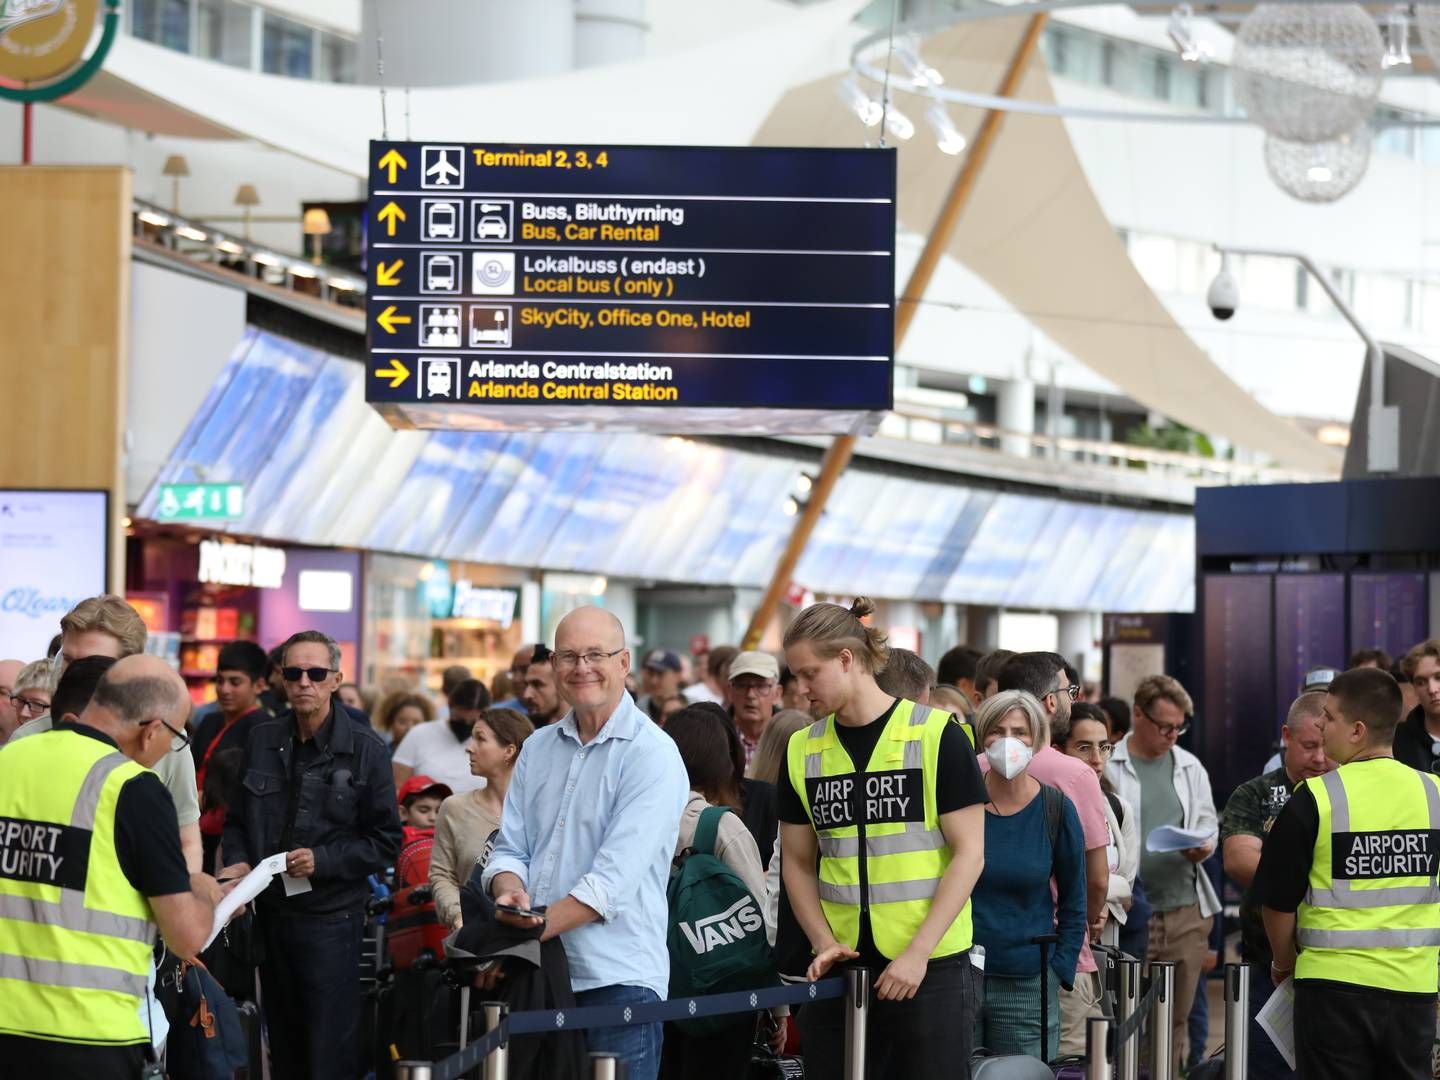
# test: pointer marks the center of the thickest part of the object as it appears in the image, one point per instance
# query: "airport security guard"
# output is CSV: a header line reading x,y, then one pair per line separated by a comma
x,y
888,793
90,863
1355,853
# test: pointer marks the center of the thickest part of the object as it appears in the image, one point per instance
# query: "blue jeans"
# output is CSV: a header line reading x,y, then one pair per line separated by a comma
x,y
637,1045
1008,1020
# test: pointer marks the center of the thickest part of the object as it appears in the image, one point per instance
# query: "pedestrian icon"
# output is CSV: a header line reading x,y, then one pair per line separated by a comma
x,y
441,219
440,326
492,221
442,167
440,272
493,273
441,379
489,326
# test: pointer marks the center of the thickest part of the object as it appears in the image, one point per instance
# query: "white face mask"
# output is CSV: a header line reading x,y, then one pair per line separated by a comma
x,y
1009,756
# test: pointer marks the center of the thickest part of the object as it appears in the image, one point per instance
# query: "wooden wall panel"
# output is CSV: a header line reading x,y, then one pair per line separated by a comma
x,y
64,331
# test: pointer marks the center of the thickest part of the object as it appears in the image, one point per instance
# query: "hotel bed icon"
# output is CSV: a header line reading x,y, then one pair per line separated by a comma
x,y
489,326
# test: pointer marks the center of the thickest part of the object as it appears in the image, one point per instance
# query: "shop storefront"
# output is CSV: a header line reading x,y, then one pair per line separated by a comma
x,y
424,615
197,593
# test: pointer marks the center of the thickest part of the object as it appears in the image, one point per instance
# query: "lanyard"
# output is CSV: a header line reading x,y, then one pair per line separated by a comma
x,y
215,742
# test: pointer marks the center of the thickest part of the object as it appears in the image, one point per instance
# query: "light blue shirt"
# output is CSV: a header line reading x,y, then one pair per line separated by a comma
x,y
599,822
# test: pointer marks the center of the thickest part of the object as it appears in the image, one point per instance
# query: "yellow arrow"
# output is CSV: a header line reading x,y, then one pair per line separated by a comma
x,y
388,274
389,215
392,161
388,320
397,373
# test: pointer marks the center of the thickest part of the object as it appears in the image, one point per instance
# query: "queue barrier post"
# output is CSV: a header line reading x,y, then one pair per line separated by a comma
x,y
606,1067
412,1070
1237,1021
1127,1052
1162,1022
1097,1048
497,1065
857,1015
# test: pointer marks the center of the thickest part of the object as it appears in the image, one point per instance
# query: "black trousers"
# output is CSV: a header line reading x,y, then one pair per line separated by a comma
x,y
40,1058
1356,1032
724,1055
310,982
929,1035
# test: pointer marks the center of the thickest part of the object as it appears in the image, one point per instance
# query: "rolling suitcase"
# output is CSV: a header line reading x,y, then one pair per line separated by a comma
x,y
1023,1066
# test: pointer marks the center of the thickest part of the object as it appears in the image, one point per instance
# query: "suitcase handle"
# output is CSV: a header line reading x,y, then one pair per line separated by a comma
x,y
1045,941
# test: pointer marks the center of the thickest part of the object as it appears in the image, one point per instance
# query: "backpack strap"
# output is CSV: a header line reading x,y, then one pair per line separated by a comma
x,y
1117,806
706,828
1054,805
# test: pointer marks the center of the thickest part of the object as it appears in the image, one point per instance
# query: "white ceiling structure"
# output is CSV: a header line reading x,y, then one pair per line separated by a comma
x,y
1033,229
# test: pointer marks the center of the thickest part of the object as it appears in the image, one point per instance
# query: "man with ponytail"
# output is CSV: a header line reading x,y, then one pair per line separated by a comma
x,y
883,838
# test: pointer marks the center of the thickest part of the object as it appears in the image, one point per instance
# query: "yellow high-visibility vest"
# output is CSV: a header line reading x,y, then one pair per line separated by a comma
x,y
881,848
76,937
1371,916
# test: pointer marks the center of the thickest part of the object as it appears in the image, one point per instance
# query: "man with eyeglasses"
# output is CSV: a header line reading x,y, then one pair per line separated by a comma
x,y
754,683
28,697
1244,824
1169,786
86,818
108,626
9,669
317,786
589,830
1045,675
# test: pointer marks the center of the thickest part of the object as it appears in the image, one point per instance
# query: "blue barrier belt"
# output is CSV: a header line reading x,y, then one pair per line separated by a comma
x,y
581,1018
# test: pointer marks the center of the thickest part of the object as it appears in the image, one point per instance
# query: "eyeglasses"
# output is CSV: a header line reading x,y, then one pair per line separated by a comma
x,y
317,674
1073,691
594,658
179,740
1085,749
28,705
743,689
1168,729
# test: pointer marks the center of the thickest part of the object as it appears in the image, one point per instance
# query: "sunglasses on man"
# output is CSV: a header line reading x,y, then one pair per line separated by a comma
x,y
316,674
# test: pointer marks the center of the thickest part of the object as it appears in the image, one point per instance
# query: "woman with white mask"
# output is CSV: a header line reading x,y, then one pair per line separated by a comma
x,y
1032,835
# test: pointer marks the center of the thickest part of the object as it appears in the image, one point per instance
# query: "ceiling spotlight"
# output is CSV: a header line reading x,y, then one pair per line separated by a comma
x,y
804,483
897,123
947,137
921,73
793,506
1181,30
1397,39
862,104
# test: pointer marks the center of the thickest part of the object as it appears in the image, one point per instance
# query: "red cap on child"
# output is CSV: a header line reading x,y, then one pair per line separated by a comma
x,y
421,785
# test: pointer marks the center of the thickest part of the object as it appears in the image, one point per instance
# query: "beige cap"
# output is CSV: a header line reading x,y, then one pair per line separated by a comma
x,y
755,663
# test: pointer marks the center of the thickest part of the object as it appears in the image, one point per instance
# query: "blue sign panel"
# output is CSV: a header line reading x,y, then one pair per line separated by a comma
x,y
658,288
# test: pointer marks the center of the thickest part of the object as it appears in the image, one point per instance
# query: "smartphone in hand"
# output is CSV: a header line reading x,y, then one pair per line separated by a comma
x,y
519,912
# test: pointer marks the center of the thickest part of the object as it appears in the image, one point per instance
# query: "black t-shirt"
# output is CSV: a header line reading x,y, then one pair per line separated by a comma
x,y
958,784
147,835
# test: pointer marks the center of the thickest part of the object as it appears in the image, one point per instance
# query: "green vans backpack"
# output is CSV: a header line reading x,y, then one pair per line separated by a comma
x,y
716,935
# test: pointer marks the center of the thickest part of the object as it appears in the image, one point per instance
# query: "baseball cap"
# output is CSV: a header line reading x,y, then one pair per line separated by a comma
x,y
421,785
662,660
755,663
1318,678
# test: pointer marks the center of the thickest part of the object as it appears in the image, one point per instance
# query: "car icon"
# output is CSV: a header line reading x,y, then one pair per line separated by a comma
x,y
491,227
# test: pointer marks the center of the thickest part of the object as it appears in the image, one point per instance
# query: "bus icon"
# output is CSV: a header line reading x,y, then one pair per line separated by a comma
x,y
440,272
440,219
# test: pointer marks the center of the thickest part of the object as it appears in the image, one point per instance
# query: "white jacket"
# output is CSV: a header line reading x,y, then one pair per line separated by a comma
x,y
1192,785
1124,856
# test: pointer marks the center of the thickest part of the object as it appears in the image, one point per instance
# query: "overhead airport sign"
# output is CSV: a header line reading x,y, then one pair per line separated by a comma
x,y
657,288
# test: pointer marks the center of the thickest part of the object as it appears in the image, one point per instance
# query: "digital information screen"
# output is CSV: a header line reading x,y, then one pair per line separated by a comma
x,y
1239,722
651,288
1387,611
54,551
1309,631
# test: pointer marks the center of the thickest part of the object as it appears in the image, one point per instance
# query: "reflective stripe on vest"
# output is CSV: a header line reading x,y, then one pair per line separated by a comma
x,y
900,860
76,936
1371,915
1342,893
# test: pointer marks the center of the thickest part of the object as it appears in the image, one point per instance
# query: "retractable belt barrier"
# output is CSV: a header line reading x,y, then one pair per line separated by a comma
x,y
581,1018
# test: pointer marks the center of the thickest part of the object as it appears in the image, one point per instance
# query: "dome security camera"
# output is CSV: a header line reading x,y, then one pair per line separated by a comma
x,y
1224,294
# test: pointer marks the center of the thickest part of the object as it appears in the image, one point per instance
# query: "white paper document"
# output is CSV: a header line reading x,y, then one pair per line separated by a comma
x,y
1277,1019
1171,838
251,886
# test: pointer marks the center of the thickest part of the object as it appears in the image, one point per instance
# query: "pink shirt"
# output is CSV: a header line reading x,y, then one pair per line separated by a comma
x,y
1080,784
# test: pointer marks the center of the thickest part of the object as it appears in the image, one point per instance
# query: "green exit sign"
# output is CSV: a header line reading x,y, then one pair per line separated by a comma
x,y
201,502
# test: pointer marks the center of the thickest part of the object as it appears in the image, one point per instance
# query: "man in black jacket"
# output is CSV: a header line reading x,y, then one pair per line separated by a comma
x,y
317,786
1417,739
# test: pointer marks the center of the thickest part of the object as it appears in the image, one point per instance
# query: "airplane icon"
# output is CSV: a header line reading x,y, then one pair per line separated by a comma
x,y
442,166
